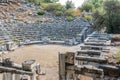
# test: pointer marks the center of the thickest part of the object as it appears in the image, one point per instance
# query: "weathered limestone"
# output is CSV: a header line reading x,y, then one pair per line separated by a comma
x,y
62,67
17,76
7,76
89,63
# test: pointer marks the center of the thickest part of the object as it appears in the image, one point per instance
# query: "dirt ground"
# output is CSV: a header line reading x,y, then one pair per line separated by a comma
x,y
46,55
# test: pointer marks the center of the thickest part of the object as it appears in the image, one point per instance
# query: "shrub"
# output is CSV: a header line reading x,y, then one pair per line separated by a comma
x,y
58,13
69,4
69,18
60,7
87,7
41,12
69,12
52,7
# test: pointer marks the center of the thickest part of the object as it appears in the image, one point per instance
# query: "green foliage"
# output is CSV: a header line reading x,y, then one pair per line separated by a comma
x,y
53,6
69,12
69,4
58,13
95,3
112,16
106,14
60,7
92,5
69,18
41,12
86,7
99,21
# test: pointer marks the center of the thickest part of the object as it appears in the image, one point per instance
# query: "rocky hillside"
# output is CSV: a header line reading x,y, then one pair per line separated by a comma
x,y
17,11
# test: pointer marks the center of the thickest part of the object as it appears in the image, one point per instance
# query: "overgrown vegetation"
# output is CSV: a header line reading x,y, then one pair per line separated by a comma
x,y
69,12
41,12
52,6
58,13
105,14
57,9
86,7
112,16
69,4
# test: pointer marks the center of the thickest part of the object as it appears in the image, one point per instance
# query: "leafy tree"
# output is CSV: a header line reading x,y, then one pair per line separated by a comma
x,y
107,16
98,21
112,9
96,3
69,4
92,5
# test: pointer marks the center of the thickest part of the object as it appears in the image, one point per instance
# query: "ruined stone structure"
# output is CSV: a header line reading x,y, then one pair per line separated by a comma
x,y
29,30
71,33
12,71
90,62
